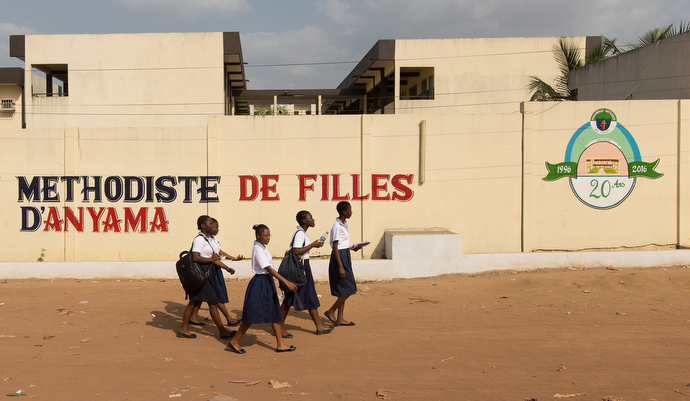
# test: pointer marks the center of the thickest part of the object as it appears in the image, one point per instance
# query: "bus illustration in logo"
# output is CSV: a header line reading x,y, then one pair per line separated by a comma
x,y
602,162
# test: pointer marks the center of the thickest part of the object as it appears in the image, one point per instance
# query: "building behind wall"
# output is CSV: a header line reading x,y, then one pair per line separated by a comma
x,y
133,80
655,71
180,79
445,76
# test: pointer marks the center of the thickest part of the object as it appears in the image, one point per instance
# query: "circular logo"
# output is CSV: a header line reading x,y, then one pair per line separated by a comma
x,y
602,150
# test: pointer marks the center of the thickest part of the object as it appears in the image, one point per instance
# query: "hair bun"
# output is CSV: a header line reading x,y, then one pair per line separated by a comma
x,y
254,226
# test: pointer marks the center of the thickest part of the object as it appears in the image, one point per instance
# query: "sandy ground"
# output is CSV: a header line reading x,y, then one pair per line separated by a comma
x,y
587,334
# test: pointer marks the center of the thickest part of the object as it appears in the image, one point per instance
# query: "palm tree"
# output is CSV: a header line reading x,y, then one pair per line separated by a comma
x,y
682,28
657,34
607,48
651,36
568,57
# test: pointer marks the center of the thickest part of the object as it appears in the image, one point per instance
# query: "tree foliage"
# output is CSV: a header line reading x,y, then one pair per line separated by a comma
x,y
568,57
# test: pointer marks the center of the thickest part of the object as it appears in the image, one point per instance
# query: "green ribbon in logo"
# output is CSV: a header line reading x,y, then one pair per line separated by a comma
x,y
560,170
643,169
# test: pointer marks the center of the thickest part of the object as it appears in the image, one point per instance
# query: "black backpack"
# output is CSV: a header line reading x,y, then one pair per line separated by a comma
x,y
292,269
191,275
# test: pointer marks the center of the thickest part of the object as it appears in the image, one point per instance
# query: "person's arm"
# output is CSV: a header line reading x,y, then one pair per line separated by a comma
x,y
280,278
341,269
233,258
305,249
196,256
224,267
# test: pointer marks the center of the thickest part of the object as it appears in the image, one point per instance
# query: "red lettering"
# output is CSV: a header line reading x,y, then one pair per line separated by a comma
x,y
53,222
254,182
376,187
78,224
112,222
336,190
324,187
95,218
405,192
160,221
267,188
303,187
139,221
356,187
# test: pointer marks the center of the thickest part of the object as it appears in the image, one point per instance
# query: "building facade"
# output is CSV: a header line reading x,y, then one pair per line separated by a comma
x,y
117,160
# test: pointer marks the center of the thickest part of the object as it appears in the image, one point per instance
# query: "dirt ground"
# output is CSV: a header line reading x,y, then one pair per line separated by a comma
x,y
586,334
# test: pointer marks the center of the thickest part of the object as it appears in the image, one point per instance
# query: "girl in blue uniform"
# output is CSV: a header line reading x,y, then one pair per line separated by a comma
x,y
340,275
205,254
261,299
308,297
222,289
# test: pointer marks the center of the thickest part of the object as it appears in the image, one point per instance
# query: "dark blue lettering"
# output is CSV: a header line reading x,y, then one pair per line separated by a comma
x,y
129,188
188,187
207,189
166,194
30,192
50,193
113,183
96,188
30,213
70,180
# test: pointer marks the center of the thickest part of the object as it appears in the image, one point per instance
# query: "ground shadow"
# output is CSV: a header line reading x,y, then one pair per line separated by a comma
x,y
170,319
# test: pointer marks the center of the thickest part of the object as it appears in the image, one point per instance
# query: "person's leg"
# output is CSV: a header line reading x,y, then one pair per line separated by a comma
x,y
280,344
284,309
314,313
184,328
225,312
338,306
341,311
213,311
195,316
330,313
235,342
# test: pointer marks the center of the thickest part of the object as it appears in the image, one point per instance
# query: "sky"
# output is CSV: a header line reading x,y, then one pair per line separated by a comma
x,y
327,37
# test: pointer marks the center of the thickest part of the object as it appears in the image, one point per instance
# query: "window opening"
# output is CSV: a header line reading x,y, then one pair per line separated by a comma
x,y
49,80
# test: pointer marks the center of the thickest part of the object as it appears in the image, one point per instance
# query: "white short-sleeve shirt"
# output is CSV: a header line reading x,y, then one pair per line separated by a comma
x,y
206,246
216,244
261,258
340,233
301,240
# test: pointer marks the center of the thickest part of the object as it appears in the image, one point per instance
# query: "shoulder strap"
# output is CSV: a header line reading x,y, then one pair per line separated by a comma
x,y
292,241
199,235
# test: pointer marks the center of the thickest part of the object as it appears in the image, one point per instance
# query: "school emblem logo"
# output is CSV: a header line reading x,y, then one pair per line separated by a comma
x,y
602,162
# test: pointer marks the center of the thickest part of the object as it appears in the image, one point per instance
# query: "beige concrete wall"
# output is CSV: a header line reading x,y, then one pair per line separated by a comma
x,y
477,184
460,163
11,119
655,71
103,152
479,75
554,218
122,80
